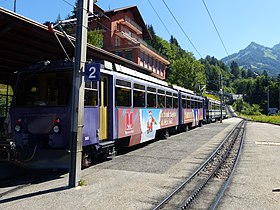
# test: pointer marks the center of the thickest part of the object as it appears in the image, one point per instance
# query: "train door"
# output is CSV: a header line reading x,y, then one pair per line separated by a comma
x,y
103,120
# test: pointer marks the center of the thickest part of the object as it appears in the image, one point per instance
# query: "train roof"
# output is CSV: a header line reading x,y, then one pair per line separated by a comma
x,y
181,89
24,42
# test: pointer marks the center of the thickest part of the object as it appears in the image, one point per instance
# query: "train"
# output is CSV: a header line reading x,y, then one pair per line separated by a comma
x,y
123,108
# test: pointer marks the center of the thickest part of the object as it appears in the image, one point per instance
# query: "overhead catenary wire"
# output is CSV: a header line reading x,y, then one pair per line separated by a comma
x,y
182,28
215,26
159,18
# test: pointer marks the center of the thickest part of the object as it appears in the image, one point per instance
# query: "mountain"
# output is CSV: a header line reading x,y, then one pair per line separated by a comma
x,y
257,58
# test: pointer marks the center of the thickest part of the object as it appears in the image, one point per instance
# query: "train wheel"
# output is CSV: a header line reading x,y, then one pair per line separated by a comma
x,y
166,133
87,157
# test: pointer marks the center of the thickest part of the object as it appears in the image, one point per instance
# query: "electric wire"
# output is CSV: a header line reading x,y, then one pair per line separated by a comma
x,y
215,26
182,28
74,7
159,18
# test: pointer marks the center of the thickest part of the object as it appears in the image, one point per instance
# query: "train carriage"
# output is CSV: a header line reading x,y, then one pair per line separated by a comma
x,y
213,110
123,108
190,108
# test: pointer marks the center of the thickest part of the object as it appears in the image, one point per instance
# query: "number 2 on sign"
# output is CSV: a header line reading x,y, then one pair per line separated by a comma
x,y
92,71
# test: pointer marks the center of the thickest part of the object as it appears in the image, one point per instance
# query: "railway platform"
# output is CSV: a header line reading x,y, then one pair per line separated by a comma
x,y
141,178
256,180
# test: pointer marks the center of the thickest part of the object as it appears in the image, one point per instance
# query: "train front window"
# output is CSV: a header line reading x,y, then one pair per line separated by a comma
x,y
44,89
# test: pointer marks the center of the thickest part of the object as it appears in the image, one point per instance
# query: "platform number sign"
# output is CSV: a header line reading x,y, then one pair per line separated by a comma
x,y
92,72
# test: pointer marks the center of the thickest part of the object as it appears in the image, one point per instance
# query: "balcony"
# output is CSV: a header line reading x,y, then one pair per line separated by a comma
x,y
126,36
132,25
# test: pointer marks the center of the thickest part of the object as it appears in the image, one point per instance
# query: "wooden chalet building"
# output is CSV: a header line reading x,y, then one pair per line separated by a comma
x,y
124,32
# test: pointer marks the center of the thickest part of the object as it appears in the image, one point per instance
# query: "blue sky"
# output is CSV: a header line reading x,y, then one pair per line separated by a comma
x,y
239,21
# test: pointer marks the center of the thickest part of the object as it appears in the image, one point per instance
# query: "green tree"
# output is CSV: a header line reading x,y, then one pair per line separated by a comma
x,y
95,38
187,72
234,70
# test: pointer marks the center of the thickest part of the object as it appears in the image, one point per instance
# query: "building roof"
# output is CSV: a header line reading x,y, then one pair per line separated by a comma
x,y
137,16
24,42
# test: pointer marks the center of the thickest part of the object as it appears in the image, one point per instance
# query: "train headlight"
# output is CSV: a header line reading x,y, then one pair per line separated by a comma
x,y
17,128
56,129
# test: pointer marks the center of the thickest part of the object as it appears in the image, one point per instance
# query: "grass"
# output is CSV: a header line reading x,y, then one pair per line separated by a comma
x,y
263,118
82,183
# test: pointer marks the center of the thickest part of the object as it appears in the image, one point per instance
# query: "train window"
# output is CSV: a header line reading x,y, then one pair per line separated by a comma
x,y
161,98
150,89
191,103
188,103
139,87
6,95
91,94
138,95
168,100
151,97
123,93
184,103
44,89
123,83
175,100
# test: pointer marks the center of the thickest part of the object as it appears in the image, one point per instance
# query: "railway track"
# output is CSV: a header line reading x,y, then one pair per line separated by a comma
x,y
197,191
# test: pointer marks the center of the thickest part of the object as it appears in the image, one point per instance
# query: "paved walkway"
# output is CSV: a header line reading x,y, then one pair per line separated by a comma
x,y
258,172
140,178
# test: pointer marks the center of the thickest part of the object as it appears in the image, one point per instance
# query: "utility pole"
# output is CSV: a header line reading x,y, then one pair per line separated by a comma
x,y
15,5
77,119
221,97
267,98
279,93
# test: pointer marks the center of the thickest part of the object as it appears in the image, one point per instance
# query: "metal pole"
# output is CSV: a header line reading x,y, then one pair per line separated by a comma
x,y
267,98
78,95
221,98
279,94
15,5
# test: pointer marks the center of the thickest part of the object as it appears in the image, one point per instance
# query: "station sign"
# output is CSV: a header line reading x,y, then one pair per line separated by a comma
x,y
92,72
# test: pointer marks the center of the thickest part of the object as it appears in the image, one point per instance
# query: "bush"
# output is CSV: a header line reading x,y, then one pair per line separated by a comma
x,y
247,109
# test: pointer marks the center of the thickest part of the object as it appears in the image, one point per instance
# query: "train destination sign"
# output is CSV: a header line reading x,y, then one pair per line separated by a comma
x,y
92,72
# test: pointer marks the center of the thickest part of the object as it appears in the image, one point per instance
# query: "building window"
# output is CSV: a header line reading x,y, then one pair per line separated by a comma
x,y
128,55
118,41
119,53
158,67
146,60
129,33
151,63
141,59
155,66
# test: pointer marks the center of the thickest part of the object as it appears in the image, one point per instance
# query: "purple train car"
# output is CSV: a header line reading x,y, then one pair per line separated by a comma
x,y
191,108
123,108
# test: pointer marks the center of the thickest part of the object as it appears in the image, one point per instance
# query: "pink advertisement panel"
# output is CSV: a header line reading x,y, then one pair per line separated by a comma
x,y
128,122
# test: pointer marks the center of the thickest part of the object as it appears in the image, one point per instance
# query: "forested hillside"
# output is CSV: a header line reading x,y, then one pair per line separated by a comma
x,y
204,75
